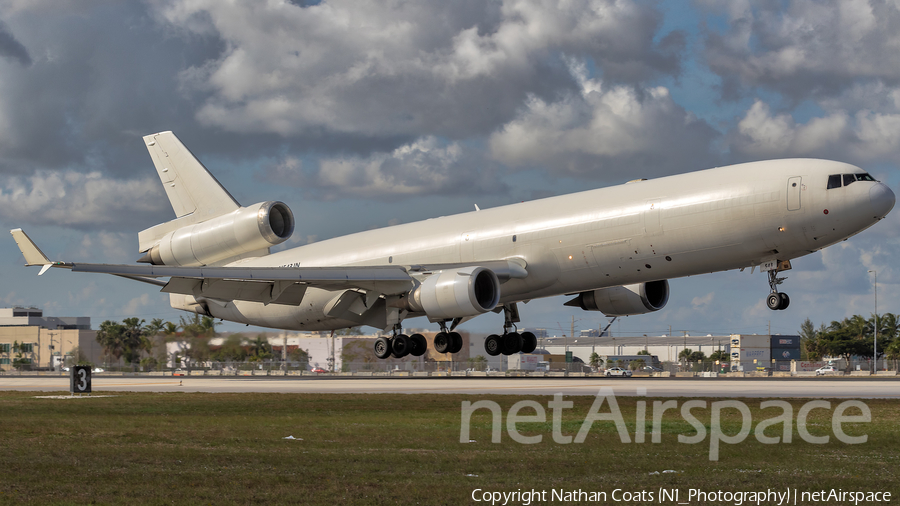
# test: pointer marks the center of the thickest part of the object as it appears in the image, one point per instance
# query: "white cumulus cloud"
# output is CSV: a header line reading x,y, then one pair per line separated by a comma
x,y
81,200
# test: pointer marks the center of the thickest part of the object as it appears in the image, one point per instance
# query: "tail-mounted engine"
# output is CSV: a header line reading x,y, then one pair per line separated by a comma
x,y
469,291
245,230
626,300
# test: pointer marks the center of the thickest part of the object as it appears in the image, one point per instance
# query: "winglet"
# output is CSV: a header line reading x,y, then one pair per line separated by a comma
x,y
33,254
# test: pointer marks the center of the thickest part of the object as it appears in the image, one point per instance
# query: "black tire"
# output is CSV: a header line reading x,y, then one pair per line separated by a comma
x,y
456,342
442,342
400,346
512,343
493,345
529,342
785,301
382,347
773,301
608,375
419,345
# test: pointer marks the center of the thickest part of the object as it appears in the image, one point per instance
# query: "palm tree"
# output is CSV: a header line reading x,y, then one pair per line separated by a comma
x,y
814,348
111,339
720,355
135,339
208,326
170,329
260,348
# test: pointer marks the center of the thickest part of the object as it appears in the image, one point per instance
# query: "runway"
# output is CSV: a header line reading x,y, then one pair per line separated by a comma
x,y
869,388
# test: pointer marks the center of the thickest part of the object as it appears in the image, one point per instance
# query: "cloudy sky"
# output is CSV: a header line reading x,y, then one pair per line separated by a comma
x,y
362,114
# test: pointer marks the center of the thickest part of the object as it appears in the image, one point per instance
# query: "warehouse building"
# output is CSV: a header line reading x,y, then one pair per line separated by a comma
x,y
31,341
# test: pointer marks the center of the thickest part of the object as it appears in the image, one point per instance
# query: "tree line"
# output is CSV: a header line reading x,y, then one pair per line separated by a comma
x,y
136,342
133,341
852,337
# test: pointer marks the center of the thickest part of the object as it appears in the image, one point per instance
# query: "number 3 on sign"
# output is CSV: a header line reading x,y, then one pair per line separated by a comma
x,y
80,380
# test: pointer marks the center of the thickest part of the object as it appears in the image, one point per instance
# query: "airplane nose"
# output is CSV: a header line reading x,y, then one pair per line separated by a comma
x,y
882,199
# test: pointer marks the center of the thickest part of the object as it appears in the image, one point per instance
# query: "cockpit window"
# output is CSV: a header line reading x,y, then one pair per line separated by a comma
x,y
834,180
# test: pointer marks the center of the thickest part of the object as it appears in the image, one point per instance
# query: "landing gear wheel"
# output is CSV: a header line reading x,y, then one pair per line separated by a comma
x,y
419,345
456,342
512,343
493,345
529,342
400,346
442,342
785,301
382,347
774,301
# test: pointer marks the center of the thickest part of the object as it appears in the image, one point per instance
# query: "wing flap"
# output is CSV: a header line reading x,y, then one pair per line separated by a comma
x,y
277,292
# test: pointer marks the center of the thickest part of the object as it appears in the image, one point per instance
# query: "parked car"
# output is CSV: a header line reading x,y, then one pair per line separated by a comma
x,y
319,370
98,369
649,368
618,371
178,372
828,368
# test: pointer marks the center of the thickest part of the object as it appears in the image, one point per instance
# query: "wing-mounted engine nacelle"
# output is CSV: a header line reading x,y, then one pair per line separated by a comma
x,y
247,229
626,300
469,291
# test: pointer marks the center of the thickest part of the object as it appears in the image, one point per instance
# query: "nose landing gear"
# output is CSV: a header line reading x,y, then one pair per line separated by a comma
x,y
776,300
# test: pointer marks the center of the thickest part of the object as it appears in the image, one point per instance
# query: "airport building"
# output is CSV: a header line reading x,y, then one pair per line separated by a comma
x,y
354,353
31,341
347,353
666,348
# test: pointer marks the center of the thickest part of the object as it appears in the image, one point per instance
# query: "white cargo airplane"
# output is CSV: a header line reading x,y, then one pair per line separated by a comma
x,y
612,248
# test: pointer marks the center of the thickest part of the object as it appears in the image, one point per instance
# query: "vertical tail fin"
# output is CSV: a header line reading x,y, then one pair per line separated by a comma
x,y
190,187
194,193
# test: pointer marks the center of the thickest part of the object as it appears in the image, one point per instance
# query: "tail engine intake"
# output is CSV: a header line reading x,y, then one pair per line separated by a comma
x,y
245,230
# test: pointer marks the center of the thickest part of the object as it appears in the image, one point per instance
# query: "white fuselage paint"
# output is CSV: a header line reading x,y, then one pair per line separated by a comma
x,y
707,221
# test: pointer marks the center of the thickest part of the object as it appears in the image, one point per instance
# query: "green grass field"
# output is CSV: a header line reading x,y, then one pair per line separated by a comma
x,y
389,449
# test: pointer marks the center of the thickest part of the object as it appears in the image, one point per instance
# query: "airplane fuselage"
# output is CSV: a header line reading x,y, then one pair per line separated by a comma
x,y
706,221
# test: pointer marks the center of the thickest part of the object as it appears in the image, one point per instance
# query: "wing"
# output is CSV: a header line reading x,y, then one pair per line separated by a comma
x,y
268,285
276,285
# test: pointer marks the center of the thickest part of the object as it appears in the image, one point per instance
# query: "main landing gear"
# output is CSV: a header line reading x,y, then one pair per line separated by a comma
x,y
401,345
776,300
511,341
447,342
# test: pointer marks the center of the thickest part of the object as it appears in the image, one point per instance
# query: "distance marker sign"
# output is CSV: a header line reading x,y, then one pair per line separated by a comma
x,y
80,380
